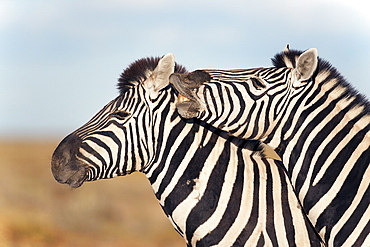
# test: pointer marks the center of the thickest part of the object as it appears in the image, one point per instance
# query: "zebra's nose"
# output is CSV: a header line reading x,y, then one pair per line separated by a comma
x,y
65,165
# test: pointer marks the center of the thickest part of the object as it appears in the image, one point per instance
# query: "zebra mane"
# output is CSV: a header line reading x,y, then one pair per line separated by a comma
x,y
289,58
138,71
286,59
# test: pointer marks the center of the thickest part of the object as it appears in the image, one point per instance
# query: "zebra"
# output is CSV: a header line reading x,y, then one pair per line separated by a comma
x,y
314,120
216,191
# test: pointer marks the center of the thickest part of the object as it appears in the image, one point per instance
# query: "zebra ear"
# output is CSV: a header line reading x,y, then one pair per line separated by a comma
x,y
306,65
160,77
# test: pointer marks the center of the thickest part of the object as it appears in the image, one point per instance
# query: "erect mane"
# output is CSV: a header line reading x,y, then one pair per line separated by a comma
x,y
289,58
138,71
286,59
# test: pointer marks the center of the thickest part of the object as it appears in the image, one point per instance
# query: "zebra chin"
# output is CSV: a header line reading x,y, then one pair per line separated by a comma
x,y
65,166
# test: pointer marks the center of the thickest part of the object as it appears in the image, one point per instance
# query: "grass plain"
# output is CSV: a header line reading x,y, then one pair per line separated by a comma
x,y
37,211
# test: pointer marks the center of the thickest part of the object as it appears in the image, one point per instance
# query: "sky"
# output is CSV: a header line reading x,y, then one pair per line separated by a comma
x,y
60,60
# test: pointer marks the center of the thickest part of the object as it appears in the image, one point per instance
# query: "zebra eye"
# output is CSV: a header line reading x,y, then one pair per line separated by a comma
x,y
120,115
257,83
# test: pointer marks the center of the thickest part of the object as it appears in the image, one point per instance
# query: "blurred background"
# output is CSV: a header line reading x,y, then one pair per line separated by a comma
x,y
59,64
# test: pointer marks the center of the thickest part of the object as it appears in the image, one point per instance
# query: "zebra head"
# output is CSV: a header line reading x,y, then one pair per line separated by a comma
x,y
120,138
242,102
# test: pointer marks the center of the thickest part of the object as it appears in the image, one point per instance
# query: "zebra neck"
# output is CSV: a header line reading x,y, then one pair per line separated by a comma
x,y
328,125
202,178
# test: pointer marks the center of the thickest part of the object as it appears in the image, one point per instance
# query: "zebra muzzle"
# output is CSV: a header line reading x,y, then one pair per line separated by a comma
x,y
65,166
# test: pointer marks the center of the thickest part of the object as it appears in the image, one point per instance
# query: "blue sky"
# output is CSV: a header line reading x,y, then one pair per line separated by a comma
x,y
60,60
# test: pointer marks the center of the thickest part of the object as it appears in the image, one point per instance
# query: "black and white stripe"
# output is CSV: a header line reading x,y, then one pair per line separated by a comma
x,y
319,126
214,191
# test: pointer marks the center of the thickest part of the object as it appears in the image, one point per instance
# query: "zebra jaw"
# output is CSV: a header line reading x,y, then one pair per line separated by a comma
x,y
267,151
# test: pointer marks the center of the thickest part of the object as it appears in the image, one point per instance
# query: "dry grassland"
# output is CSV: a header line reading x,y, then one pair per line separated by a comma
x,y
37,211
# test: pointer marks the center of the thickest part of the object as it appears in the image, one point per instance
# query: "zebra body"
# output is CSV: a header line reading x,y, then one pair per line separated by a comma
x,y
314,120
215,193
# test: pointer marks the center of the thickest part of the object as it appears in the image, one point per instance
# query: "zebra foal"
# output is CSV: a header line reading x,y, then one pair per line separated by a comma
x,y
216,191
316,122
